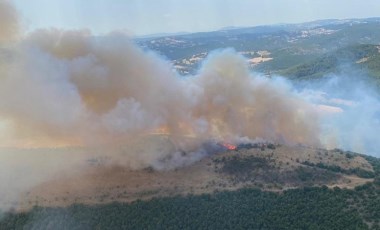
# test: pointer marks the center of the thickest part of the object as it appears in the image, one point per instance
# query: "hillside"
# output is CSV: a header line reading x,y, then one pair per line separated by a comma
x,y
255,186
288,44
363,59
274,168
307,208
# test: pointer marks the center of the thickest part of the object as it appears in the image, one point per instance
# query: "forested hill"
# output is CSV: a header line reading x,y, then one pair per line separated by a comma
x,y
247,208
363,59
283,46
307,208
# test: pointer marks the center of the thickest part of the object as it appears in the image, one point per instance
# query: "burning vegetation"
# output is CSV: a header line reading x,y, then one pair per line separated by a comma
x,y
229,146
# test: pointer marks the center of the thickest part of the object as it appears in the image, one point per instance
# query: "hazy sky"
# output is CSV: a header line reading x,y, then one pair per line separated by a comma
x,y
155,16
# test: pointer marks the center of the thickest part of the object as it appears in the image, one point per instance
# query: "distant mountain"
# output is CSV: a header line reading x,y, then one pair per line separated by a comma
x,y
306,25
158,35
289,27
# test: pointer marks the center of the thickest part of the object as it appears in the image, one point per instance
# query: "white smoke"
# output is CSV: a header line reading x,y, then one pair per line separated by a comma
x,y
350,112
70,88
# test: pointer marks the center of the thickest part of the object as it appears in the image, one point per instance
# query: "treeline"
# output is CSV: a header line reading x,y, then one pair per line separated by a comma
x,y
335,168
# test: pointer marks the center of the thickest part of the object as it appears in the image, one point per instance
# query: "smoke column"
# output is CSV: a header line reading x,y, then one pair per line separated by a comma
x,y
106,95
69,88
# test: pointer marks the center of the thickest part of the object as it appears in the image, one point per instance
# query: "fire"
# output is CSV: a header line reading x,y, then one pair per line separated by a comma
x,y
229,146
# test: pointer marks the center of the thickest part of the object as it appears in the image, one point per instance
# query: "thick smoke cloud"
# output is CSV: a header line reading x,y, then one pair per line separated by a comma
x,y
71,88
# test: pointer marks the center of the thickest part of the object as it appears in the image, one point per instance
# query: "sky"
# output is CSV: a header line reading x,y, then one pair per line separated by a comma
x,y
142,17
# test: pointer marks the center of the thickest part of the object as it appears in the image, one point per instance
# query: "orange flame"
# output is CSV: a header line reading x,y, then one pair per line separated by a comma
x,y
229,146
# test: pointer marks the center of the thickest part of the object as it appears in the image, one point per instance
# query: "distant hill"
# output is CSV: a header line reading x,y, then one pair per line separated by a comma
x,y
288,44
363,58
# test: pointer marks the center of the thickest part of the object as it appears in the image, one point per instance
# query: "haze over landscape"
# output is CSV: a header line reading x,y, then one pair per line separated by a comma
x,y
143,17
92,112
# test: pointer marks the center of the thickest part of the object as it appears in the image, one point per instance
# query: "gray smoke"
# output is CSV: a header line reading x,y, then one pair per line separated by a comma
x,y
69,88
9,23
350,111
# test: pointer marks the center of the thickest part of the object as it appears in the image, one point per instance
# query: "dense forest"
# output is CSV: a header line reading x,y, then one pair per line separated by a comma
x,y
306,208
249,208
363,60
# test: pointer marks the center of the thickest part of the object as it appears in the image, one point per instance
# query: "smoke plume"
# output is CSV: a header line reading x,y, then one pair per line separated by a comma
x,y
8,22
69,88
350,111
63,88
120,103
